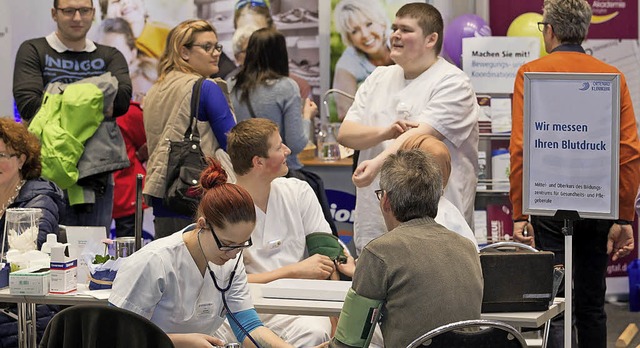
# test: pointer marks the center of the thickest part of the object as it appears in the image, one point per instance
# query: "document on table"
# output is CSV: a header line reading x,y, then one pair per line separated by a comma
x,y
102,294
306,289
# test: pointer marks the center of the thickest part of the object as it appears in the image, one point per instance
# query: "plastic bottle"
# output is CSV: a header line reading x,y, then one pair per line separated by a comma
x,y
330,150
482,170
52,240
500,169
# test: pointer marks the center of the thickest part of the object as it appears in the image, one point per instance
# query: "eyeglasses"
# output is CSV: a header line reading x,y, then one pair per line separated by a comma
x,y
541,25
6,156
379,194
258,3
71,11
208,48
222,247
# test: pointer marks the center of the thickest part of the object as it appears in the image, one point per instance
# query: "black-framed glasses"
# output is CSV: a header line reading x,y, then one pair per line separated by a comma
x,y
541,25
379,194
71,11
6,156
209,47
229,247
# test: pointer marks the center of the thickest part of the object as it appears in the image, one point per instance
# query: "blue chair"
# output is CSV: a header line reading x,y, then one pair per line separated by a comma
x,y
471,333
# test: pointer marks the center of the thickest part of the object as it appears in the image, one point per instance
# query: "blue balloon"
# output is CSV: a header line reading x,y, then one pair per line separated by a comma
x,y
467,25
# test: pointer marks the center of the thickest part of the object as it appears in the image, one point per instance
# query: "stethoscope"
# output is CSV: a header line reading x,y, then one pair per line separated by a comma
x,y
226,288
213,276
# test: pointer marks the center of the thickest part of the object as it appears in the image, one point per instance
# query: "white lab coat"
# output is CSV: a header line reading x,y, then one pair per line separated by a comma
x,y
279,238
442,97
449,216
162,283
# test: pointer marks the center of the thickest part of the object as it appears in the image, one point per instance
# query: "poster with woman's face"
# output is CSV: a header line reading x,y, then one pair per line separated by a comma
x,y
297,20
360,31
138,28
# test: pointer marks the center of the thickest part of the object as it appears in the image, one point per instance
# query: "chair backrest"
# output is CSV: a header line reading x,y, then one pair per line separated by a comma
x,y
471,333
97,326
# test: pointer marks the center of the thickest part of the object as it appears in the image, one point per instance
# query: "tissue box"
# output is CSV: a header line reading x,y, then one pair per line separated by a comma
x,y
64,270
30,281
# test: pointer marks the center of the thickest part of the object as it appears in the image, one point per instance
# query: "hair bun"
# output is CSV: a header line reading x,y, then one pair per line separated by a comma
x,y
213,175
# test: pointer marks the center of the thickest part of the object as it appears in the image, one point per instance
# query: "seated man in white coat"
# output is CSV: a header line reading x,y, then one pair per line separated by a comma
x,y
287,210
448,215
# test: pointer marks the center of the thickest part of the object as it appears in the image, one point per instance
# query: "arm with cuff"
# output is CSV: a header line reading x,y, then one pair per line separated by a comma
x,y
363,303
252,324
249,321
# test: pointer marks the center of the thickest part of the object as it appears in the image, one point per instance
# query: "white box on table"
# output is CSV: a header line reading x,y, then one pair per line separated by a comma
x,y
30,281
64,269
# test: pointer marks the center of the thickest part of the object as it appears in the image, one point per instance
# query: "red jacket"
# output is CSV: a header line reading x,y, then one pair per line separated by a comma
x,y
124,197
629,145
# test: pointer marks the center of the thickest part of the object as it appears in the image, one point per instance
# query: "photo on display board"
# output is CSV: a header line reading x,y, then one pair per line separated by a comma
x,y
139,28
360,31
297,20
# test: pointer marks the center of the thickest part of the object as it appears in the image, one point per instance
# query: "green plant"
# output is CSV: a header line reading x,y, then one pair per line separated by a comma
x,y
98,259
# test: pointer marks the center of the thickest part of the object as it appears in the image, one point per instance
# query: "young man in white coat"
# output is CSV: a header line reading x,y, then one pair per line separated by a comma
x,y
421,94
287,210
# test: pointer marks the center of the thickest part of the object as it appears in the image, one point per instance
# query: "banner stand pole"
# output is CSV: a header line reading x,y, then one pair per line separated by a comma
x,y
567,230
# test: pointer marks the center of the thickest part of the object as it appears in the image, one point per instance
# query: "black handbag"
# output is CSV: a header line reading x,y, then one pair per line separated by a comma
x,y
186,162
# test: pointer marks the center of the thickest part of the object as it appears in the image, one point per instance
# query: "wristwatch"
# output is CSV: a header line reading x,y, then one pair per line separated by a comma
x,y
622,222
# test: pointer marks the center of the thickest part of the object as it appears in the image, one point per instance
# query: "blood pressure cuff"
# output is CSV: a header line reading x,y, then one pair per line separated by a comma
x,y
357,320
326,244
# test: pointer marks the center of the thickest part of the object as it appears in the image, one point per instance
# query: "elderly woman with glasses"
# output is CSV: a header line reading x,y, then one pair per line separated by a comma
x,y
20,183
185,284
192,52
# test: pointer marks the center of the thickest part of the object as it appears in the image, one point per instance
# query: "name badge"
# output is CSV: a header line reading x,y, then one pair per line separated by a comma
x,y
274,244
204,310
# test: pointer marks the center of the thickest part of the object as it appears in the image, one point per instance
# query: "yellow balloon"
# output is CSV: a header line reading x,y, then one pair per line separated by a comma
x,y
526,24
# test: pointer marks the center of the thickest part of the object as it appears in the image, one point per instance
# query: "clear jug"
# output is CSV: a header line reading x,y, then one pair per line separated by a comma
x,y
329,150
125,246
21,228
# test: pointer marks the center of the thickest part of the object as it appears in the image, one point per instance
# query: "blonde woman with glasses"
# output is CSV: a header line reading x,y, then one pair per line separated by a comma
x,y
192,52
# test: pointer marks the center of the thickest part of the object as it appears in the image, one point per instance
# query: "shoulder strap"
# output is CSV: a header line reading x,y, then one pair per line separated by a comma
x,y
192,130
250,107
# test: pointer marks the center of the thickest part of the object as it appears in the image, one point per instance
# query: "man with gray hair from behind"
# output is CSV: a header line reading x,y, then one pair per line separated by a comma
x,y
419,271
564,26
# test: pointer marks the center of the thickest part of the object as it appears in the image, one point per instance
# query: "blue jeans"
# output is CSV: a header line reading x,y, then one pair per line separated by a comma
x,y
98,215
590,261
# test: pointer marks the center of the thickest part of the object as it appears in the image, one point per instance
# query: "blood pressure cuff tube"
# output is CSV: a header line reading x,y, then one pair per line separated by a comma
x,y
326,244
357,320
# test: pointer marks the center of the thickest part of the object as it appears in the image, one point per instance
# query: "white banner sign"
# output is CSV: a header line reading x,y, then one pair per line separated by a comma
x,y
571,144
492,62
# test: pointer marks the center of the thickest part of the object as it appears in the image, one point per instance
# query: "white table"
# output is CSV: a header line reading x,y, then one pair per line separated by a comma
x,y
27,310
333,308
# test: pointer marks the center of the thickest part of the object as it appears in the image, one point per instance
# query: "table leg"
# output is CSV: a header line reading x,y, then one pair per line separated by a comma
x,y
33,330
22,325
545,335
